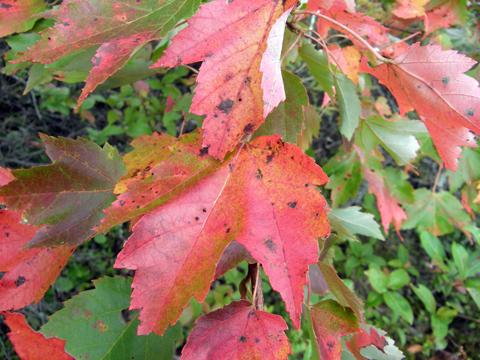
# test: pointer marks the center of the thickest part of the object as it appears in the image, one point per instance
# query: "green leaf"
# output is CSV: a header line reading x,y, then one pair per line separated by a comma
x,y
426,296
397,183
399,305
402,254
18,43
377,279
460,258
355,222
435,212
137,70
92,326
349,104
432,245
468,169
287,118
445,313
473,288
374,299
36,76
397,279
345,173
317,62
395,137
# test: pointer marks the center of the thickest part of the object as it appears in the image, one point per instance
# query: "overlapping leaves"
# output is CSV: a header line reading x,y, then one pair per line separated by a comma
x,y
118,28
198,205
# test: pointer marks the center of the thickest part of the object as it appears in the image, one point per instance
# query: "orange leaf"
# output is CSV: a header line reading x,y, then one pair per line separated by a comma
x,y
230,38
431,82
30,345
198,205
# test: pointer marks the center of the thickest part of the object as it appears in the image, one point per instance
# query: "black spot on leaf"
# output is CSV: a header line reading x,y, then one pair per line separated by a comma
x,y
5,6
228,230
248,128
292,204
122,202
270,158
96,61
197,218
226,106
7,234
259,175
20,281
243,339
446,80
203,151
470,112
270,245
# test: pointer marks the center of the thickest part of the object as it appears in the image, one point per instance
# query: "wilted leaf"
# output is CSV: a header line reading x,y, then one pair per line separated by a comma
x,y
342,293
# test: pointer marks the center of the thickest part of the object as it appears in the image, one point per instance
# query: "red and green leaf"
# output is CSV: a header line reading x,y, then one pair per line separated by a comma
x,y
69,196
16,16
331,322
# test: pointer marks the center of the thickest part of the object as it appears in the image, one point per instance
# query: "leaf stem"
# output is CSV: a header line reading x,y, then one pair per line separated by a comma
x,y
290,48
256,279
349,31
440,168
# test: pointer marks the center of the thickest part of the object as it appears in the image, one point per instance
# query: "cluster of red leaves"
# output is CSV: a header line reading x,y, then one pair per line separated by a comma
x,y
192,197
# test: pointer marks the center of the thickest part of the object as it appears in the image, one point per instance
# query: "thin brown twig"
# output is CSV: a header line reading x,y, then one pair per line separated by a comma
x,y
181,129
349,31
190,68
468,318
440,167
290,48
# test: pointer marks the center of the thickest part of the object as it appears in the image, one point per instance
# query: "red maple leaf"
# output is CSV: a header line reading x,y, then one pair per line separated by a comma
x,y
362,24
198,205
330,322
363,339
431,82
30,345
28,273
238,331
118,28
230,38
16,16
